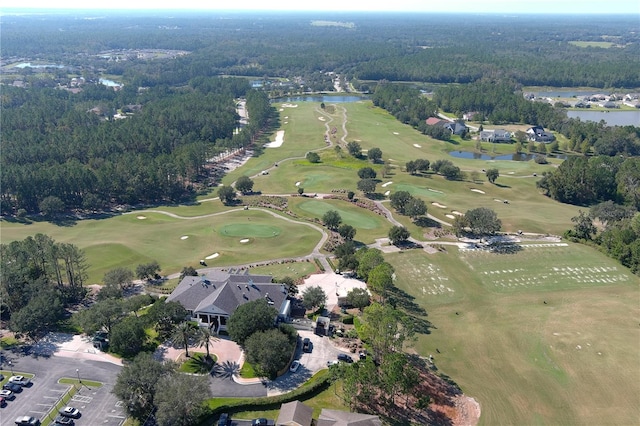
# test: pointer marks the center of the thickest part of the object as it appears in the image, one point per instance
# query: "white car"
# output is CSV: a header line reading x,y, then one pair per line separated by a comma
x,y
294,366
19,380
7,394
70,412
332,362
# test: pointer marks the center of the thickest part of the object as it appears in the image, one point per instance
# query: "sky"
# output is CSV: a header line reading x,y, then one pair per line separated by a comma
x,y
469,6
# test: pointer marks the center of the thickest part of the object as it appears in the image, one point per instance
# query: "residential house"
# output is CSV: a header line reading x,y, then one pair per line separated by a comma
x,y
468,116
538,134
294,413
434,121
212,298
344,418
497,135
456,127
635,103
608,104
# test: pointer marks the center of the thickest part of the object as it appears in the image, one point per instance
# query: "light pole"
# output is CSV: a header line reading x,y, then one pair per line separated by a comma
x,y
11,367
78,374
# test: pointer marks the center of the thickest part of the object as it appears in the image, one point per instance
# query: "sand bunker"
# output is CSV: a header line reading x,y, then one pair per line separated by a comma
x,y
435,190
184,237
457,213
439,205
384,185
495,199
212,256
417,146
321,118
387,193
287,117
479,191
281,110
450,216
289,106
278,142
396,133
298,183
244,240
142,217
286,122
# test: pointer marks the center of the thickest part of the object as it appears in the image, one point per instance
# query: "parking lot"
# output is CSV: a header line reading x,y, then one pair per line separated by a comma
x,y
96,404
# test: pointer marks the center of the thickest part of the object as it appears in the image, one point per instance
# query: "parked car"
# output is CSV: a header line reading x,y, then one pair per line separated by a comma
x,y
294,366
62,420
306,345
28,421
362,354
20,380
260,422
345,358
7,394
332,362
3,401
223,420
70,412
13,387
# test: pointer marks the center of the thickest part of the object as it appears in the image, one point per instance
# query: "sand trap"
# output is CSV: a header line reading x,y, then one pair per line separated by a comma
x,y
435,190
278,142
281,109
298,183
142,217
450,216
244,240
384,185
184,237
387,193
321,119
287,117
439,205
479,191
457,213
286,122
289,106
417,146
495,199
212,256
396,133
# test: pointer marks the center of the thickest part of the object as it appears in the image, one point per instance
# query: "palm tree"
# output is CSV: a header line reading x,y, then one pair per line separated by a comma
x,y
204,338
184,332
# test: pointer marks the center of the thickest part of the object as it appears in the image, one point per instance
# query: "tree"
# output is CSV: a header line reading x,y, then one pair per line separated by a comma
x,y
437,165
583,228
366,173
380,279
119,277
269,351
184,333
610,212
460,223
227,195
350,195
109,291
313,157
51,206
136,384
368,258
250,318
42,311
385,329
300,190
422,165
358,298
205,338
345,249
415,207
347,231
451,172
374,155
399,200
180,399
313,297
354,149
411,167
290,285
127,336
367,186
492,175
332,220
147,271
188,271
398,234
101,315
165,316
244,184
483,221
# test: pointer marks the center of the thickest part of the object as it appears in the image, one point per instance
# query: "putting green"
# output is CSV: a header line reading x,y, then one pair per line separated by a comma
x,y
249,230
353,218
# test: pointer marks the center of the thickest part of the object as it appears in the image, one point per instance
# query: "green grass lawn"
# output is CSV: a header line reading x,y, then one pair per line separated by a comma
x,y
294,270
571,360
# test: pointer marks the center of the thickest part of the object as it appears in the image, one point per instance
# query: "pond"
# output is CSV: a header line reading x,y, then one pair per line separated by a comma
x,y
329,99
30,65
507,157
109,83
612,118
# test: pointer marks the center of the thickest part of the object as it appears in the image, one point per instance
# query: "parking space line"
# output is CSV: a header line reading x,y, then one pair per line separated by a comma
x,y
51,397
80,398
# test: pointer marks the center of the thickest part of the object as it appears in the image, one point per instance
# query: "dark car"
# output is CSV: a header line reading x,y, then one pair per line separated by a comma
x,y
13,387
223,420
345,358
62,420
306,345
260,422
27,420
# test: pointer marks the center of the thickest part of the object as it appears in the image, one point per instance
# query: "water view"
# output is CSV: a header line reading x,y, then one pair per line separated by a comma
x,y
324,98
612,118
30,65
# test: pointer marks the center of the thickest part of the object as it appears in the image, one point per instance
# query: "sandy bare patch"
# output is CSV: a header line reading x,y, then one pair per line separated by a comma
x,y
278,142
439,205
141,217
457,213
417,146
468,411
184,237
479,191
244,240
435,190
298,183
281,109
450,216
387,193
287,117
286,122
396,133
495,199
321,118
212,256
289,105
384,185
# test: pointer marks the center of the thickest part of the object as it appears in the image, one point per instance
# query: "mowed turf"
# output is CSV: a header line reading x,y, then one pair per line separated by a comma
x,y
571,360
131,239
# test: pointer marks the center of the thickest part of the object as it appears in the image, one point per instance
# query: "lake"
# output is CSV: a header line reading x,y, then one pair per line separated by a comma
x,y
613,118
30,65
109,83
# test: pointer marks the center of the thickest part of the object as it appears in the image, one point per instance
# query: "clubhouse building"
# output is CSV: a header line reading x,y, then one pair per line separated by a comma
x,y
212,298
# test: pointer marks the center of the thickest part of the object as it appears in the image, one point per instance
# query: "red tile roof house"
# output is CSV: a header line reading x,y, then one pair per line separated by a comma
x,y
212,298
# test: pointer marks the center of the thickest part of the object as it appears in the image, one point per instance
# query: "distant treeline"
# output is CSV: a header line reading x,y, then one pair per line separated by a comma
x,y
432,48
68,146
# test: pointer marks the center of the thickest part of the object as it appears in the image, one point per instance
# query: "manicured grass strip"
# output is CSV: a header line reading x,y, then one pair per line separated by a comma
x,y
198,364
247,371
8,373
89,383
64,401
